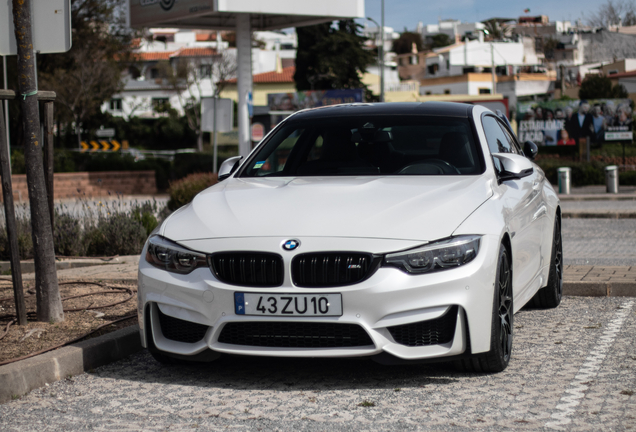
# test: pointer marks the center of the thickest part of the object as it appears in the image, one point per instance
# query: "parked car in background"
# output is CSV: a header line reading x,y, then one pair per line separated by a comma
x,y
401,232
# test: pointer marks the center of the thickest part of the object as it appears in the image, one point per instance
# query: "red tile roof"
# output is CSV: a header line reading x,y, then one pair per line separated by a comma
x,y
167,55
286,76
622,74
153,56
194,52
203,37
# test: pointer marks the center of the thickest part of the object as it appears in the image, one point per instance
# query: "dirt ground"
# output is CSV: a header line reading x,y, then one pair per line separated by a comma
x,y
82,315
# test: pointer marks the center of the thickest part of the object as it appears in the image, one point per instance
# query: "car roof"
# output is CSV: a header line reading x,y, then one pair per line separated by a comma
x,y
441,109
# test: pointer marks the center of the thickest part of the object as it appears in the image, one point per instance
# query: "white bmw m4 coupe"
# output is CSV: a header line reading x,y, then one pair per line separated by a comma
x,y
403,232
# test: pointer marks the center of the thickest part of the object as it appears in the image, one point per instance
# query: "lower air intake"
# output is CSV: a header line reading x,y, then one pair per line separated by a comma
x,y
179,330
294,335
431,332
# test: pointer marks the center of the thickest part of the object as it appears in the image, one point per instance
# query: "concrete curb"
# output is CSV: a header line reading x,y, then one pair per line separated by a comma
x,y
599,215
19,378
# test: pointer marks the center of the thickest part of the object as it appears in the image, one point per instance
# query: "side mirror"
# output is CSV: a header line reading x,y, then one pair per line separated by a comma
x,y
530,149
514,166
228,167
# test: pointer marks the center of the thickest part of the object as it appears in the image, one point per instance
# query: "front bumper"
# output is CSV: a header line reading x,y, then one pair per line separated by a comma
x,y
388,298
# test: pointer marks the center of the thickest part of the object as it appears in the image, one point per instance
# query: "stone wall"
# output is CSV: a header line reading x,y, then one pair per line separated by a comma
x,y
92,184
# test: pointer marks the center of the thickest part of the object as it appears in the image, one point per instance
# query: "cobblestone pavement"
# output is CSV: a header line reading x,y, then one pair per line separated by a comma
x,y
612,274
599,242
573,368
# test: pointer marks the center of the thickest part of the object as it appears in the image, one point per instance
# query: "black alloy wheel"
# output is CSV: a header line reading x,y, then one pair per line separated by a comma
x,y
497,359
550,295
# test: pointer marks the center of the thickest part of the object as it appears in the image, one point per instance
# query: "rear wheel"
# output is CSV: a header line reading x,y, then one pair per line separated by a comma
x,y
550,295
498,357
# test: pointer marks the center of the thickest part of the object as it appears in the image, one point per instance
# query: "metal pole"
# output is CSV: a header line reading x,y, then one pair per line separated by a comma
x,y
214,159
6,109
244,80
492,57
382,56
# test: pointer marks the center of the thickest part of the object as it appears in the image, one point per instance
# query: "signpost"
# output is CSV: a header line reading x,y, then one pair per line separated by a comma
x,y
101,146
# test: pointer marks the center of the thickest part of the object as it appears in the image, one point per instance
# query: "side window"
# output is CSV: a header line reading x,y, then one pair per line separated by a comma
x,y
515,144
498,140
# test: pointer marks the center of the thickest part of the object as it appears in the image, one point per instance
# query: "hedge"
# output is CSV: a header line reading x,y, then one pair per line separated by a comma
x,y
583,173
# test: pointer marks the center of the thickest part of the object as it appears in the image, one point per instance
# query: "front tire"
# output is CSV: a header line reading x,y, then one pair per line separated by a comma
x,y
550,295
497,359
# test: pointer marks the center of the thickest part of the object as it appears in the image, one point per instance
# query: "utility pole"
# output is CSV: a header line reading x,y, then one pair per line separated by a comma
x,y
382,56
492,58
49,304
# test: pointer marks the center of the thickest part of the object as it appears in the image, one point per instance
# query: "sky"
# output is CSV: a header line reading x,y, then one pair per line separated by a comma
x,y
407,13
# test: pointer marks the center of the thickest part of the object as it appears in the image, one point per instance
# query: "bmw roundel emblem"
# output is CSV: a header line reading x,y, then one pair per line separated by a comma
x,y
291,245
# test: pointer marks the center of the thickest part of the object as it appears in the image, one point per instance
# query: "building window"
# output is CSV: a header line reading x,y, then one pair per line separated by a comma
x,y
447,91
160,105
115,104
414,59
154,73
448,64
613,72
484,91
428,93
432,69
468,70
206,71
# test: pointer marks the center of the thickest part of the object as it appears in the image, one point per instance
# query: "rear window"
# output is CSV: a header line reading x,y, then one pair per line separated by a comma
x,y
374,145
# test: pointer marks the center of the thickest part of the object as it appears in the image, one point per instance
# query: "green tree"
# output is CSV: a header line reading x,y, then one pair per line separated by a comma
x,y
331,57
441,40
90,72
404,44
599,87
497,29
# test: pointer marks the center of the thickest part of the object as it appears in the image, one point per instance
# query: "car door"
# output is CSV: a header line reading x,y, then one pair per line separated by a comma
x,y
522,203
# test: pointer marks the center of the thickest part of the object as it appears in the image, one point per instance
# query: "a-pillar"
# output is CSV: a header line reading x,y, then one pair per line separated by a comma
x,y
244,78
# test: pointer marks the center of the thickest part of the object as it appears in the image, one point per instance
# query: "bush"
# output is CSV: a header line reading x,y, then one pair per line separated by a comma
x,y
183,191
25,241
118,234
627,178
583,173
145,215
67,236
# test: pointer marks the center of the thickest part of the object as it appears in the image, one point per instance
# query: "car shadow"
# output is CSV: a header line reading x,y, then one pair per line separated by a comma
x,y
283,374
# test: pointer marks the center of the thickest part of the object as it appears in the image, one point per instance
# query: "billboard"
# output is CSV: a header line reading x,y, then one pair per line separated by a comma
x,y
50,23
150,12
290,102
563,122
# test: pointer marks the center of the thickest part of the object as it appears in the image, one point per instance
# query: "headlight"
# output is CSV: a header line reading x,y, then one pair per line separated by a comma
x,y
441,255
167,255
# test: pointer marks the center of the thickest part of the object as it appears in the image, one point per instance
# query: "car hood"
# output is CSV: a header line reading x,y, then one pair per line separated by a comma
x,y
408,208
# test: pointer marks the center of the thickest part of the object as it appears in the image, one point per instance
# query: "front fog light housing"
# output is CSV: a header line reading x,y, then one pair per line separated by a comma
x,y
167,255
440,255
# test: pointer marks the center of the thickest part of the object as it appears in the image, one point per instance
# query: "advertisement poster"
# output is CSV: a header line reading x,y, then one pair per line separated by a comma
x,y
290,102
564,122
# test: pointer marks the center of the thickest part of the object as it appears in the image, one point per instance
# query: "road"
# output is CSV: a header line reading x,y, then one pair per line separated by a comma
x,y
610,242
573,368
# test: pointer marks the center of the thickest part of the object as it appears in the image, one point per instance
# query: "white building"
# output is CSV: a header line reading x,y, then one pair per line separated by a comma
x,y
145,92
454,29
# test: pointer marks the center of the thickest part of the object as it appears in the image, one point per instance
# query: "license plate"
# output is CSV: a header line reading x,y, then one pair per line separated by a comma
x,y
263,304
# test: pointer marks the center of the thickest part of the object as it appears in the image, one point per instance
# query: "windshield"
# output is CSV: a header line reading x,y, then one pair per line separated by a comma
x,y
374,145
